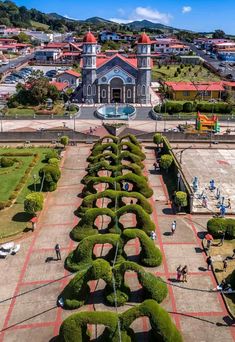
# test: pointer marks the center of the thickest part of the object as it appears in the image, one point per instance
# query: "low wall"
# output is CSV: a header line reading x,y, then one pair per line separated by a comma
x,y
46,136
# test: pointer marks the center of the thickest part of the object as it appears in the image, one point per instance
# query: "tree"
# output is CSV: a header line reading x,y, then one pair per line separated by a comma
x,y
157,139
49,174
181,199
166,161
23,38
64,140
218,34
33,202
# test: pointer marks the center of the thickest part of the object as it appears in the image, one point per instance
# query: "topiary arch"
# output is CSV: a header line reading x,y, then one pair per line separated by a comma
x,y
83,255
77,291
74,328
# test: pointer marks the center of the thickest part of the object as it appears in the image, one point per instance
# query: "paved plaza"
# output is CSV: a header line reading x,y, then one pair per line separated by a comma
x,y
207,164
29,286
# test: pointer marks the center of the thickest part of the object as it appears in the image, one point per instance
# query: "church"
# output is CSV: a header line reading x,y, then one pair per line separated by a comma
x,y
117,78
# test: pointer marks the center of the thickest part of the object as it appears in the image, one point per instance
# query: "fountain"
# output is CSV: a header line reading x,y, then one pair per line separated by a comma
x,y
115,111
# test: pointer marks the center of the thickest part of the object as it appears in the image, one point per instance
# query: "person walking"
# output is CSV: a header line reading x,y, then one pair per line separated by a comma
x,y
173,227
209,263
178,273
208,244
185,273
57,250
225,265
229,203
155,166
222,239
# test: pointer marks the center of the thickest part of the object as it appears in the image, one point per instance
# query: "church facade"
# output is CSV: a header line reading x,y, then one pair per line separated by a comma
x,y
117,78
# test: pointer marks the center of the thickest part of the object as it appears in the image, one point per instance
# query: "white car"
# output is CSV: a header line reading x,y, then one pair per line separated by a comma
x,y
9,248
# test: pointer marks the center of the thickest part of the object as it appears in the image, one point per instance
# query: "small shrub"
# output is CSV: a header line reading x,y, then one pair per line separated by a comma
x,y
64,140
181,199
157,139
33,202
53,161
6,162
176,74
166,161
217,225
51,154
188,107
49,174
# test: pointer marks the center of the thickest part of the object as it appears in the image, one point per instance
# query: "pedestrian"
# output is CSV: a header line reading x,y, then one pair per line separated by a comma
x,y
131,202
225,265
126,186
173,227
208,244
155,166
185,273
229,204
91,130
179,273
153,235
57,250
221,239
209,263
33,226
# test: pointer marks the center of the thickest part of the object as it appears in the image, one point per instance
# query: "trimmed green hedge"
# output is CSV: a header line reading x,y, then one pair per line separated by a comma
x,y
77,291
139,184
150,255
117,170
116,159
49,174
217,225
116,197
51,154
86,226
7,162
33,202
74,328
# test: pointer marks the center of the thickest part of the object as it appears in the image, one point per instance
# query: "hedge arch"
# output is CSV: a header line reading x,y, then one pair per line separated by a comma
x,y
77,291
74,328
118,148
92,170
153,287
131,138
116,160
112,137
83,255
139,183
90,200
86,226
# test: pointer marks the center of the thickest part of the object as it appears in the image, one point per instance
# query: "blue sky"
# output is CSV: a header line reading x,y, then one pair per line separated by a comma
x,y
198,15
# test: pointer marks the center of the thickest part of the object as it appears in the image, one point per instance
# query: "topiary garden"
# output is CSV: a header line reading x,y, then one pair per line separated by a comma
x,y
115,188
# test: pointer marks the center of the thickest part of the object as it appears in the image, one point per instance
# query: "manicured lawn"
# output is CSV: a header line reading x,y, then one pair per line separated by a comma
x,y
13,220
20,111
58,109
197,73
222,252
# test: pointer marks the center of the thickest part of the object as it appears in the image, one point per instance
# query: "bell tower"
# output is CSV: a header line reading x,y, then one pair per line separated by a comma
x,y
144,69
89,67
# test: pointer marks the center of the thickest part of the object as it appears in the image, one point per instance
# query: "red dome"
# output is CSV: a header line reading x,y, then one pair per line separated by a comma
x,y
89,38
144,39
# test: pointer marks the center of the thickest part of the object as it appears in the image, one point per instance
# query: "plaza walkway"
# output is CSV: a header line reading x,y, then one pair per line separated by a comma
x,y
29,285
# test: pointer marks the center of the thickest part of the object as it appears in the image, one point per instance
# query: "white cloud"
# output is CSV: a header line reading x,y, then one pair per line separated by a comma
x,y
186,9
141,13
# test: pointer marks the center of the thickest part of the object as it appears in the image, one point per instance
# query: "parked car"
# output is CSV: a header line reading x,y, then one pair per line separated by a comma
x,y
9,248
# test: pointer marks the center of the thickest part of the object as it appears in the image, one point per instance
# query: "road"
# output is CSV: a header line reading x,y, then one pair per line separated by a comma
x,y
16,62
215,62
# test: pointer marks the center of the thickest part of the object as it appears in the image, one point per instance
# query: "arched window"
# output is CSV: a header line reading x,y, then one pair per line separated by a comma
x,y
94,89
89,89
103,93
143,90
144,62
128,93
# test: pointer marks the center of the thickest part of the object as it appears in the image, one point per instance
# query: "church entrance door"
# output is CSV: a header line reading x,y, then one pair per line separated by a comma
x,y
116,95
